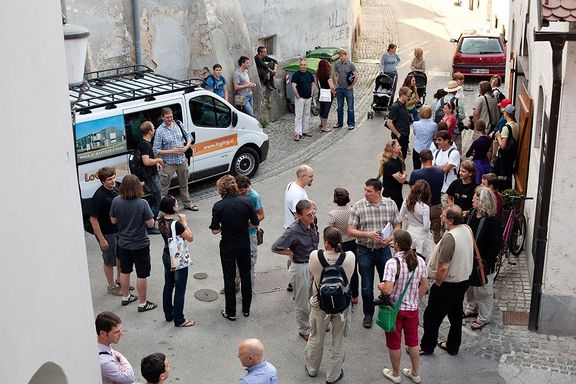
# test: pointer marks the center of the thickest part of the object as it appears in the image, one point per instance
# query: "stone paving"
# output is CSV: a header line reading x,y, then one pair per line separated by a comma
x,y
507,344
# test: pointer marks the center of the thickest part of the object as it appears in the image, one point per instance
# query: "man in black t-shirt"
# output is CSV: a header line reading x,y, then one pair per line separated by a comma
x,y
398,122
434,176
104,230
302,83
150,177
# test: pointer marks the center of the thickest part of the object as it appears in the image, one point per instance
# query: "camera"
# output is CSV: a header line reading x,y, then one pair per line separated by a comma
x,y
383,300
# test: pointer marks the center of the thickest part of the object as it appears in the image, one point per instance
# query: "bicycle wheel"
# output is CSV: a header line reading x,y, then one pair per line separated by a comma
x,y
518,235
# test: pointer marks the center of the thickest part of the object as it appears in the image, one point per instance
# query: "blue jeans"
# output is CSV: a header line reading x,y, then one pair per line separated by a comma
x,y
367,260
415,114
155,188
348,94
174,281
249,105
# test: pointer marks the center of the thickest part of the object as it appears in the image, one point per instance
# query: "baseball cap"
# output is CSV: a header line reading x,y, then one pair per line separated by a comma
x,y
509,109
504,103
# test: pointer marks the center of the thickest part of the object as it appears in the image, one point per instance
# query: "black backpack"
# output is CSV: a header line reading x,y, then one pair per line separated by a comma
x,y
501,96
136,165
333,291
512,145
439,114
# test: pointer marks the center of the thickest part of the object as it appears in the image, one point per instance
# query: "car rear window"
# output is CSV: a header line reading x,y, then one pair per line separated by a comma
x,y
480,46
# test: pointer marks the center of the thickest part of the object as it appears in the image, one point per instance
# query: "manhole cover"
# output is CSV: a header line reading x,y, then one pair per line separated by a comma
x,y
206,295
200,276
515,318
271,281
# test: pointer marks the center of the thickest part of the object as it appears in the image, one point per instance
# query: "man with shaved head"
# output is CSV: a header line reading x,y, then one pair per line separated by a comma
x,y
294,193
258,370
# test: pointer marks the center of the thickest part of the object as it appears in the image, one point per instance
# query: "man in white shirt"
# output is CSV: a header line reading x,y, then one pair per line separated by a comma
x,y
294,193
115,368
446,157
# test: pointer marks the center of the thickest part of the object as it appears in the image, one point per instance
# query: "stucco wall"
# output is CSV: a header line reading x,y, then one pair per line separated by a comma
x,y
300,25
47,313
558,303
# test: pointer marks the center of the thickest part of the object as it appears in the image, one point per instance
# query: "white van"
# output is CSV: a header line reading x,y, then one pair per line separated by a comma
x,y
108,117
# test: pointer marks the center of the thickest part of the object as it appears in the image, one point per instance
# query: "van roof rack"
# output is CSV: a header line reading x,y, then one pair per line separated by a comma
x,y
109,87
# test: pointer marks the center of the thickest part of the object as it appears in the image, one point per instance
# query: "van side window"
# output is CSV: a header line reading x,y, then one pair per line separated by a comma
x,y
206,111
133,120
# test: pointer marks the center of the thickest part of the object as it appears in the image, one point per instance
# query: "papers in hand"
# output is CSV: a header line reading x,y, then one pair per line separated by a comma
x,y
386,232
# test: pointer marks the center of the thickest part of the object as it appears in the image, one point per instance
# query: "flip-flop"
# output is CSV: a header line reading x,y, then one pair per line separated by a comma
x,y
186,323
477,325
388,374
326,130
442,345
193,208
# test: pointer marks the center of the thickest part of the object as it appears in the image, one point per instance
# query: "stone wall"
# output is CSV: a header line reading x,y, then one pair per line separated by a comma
x,y
183,39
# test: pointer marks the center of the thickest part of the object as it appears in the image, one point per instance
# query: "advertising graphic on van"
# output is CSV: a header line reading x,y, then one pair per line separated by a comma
x,y
215,144
100,138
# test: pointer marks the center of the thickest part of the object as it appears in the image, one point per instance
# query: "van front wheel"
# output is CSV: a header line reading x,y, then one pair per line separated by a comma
x,y
245,162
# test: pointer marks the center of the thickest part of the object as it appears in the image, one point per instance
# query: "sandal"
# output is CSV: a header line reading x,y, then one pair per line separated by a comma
x,y
337,126
193,208
186,323
388,374
231,318
442,345
468,314
326,130
477,325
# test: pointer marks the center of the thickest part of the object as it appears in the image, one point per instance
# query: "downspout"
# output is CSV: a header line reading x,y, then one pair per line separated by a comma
x,y
557,41
136,21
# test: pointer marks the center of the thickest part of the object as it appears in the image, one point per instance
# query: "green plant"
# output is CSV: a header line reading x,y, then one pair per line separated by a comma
x,y
264,123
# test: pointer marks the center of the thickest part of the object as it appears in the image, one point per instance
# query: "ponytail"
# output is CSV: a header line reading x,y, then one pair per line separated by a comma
x,y
404,242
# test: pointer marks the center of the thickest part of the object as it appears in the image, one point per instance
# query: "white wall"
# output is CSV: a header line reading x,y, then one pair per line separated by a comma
x,y
47,311
558,306
301,25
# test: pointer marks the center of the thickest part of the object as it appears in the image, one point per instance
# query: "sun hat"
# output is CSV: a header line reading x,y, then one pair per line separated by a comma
x,y
452,86
504,103
509,109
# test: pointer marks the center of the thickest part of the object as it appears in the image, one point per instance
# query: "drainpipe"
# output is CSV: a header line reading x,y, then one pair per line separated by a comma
x,y
136,21
557,41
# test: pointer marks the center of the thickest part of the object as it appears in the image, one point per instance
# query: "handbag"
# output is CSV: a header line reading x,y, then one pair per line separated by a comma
x,y
477,276
387,314
179,255
259,236
325,95
240,100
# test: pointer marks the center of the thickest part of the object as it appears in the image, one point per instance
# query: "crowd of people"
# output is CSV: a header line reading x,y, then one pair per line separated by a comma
x,y
441,238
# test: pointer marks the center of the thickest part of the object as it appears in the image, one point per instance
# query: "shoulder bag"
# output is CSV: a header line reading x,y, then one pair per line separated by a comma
x,y
387,314
188,152
179,255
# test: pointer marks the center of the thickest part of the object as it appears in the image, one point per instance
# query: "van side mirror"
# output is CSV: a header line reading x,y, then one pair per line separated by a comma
x,y
234,119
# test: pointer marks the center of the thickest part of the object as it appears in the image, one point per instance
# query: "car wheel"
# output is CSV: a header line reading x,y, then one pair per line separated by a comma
x,y
245,162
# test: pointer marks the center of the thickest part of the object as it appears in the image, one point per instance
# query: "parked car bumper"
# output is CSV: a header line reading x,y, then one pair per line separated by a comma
x,y
479,71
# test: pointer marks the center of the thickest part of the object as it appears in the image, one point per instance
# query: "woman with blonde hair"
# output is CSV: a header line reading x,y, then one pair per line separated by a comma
x,y
393,172
487,230
418,62
424,130
415,213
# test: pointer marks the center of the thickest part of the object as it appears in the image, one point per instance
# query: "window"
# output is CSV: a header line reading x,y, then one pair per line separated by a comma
x,y
206,111
480,46
269,43
133,120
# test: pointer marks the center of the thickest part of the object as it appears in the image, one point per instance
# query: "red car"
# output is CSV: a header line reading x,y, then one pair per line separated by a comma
x,y
479,54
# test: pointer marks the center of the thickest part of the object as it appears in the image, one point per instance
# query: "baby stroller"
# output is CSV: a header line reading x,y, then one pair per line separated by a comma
x,y
383,95
421,81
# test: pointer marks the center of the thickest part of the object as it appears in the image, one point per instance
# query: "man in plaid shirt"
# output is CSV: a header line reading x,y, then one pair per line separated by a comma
x,y
170,143
368,218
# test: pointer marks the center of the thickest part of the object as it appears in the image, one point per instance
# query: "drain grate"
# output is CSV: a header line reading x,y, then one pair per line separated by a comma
x,y
271,281
515,318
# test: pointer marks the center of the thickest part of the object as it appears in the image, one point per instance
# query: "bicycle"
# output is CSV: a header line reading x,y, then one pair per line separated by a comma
x,y
514,232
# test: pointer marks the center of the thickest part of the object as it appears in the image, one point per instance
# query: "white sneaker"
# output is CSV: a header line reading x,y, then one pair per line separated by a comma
x,y
408,373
